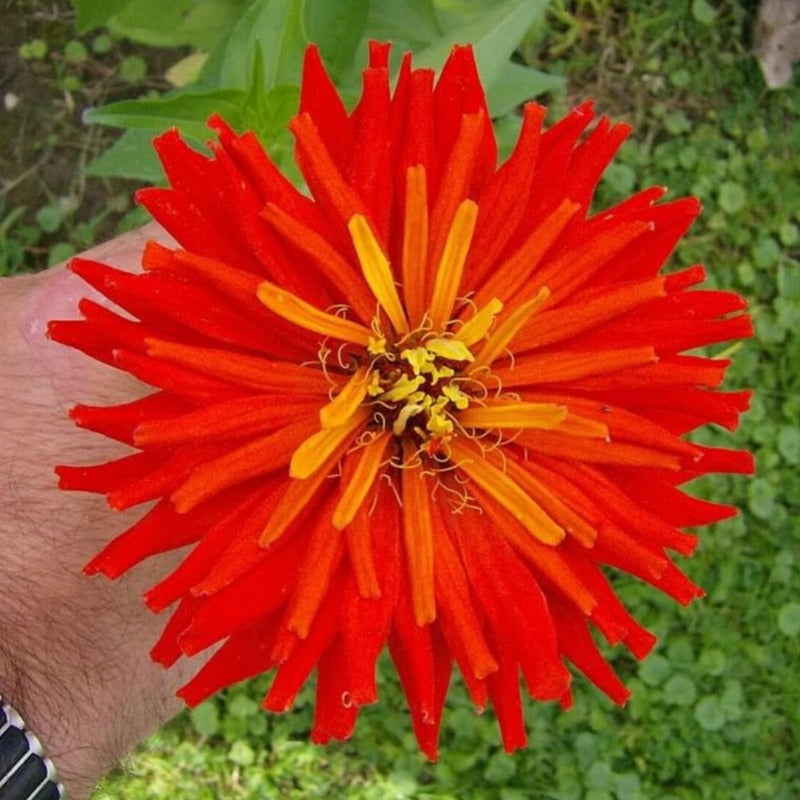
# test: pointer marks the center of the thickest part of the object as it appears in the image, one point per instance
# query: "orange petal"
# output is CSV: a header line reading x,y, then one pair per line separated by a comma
x,y
356,487
415,243
469,459
418,535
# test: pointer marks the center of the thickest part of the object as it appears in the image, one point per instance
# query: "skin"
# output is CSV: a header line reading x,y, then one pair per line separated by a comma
x,y
73,650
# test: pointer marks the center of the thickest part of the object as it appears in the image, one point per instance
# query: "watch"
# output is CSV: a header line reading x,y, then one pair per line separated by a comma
x,y
25,773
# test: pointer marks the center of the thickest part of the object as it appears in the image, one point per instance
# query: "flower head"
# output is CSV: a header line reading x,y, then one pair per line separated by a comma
x,y
424,405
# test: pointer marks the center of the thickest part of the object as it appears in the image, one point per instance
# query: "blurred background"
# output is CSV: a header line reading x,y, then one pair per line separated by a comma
x,y
709,88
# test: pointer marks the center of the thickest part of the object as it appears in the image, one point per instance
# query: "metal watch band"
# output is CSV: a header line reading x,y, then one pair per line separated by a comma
x,y
25,773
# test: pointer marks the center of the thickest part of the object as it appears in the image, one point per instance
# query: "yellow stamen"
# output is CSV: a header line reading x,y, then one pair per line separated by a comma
x,y
451,349
418,536
415,242
514,415
476,328
341,408
509,328
437,373
408,411
507,492
439,424
451,267
458,398
355,491
418,357
374,387
295,310
403,388
377,346
313,452
377,271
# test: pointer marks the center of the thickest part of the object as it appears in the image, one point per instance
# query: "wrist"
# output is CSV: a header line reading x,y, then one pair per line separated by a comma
x,y
73,650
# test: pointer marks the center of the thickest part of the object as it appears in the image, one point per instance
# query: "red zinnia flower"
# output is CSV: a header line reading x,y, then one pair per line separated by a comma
x,y
424,405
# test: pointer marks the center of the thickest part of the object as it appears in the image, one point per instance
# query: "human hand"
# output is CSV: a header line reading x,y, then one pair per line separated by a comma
x,y
73,651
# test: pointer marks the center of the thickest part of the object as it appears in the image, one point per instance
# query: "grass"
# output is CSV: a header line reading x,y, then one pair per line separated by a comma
x,y
715,711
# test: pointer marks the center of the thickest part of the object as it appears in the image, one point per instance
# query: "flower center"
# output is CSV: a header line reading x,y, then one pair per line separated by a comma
x,y
416,385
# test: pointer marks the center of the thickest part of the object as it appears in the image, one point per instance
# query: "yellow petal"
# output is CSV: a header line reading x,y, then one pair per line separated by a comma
x,y
509,328
314,451
338,411
451,266
451,349
355,490
478,326
496,483
514,415
377,271
295,310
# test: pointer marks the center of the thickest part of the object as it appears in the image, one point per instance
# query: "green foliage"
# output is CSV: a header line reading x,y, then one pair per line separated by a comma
x,y
337,28
273,34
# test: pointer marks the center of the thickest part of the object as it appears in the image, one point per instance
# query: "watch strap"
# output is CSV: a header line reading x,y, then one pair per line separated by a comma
x,y
25,772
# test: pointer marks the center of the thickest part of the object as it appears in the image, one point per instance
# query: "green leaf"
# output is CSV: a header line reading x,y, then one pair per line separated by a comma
x,y
712,661
620,178
185,109
242,706
131,156
709,713
654,670
789,234
789,443
102,44
94,13
516,84
789,619
60,252
789,281
732,197
201,23
241,753
337,27
494,36
761,498
75,52
500,769
34,50
599,776
676,122
680,690
411,24
766,252
273,27
506,131
210,22
205,718
703,12
132,69
49,218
